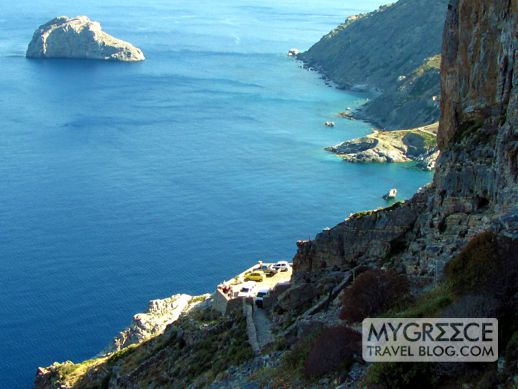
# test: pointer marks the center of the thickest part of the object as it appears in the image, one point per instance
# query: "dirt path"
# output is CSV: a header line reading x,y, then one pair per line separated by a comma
x,y
263,328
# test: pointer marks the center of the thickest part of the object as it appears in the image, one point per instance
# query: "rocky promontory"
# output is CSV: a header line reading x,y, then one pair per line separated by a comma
x,y
159,315
419,144
393,52
79,37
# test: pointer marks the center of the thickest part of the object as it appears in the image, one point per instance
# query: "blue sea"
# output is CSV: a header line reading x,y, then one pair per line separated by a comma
x,y
121,183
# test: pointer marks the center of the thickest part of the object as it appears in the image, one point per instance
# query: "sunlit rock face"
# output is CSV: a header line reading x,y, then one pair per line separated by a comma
x,y
79,37
475,187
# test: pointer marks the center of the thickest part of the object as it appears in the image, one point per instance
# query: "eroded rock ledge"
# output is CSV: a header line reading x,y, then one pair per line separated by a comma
x,y
159,315
79,37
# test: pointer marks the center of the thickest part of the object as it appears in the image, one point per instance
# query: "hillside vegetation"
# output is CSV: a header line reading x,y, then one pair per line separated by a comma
x,y
393,52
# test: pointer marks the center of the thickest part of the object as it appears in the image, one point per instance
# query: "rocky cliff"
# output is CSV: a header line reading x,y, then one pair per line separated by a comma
x,y
473,198
155,320
393,52
79,37
475,185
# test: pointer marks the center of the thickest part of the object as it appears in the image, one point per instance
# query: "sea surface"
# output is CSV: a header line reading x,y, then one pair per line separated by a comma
x,y
120,183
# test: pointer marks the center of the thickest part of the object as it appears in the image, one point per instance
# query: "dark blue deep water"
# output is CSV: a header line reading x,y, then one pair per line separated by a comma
x,y
120,183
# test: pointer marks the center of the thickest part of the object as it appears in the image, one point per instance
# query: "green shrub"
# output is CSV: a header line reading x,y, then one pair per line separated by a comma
x,y
332,350
402,375
431,63
374,291
359,215
122,353
486,265
290,371
475,265
427,305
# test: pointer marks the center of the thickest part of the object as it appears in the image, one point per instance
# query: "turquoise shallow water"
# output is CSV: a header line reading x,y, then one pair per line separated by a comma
x,y
120,183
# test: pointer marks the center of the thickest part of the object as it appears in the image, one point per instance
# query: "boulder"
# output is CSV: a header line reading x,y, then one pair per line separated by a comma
x,y
329,124
79,37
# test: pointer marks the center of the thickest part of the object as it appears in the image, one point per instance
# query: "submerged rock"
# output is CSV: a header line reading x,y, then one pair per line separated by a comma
x,y
79,37
329,124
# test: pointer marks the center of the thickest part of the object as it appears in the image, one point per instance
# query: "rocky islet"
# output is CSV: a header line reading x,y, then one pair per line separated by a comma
x,y
80,38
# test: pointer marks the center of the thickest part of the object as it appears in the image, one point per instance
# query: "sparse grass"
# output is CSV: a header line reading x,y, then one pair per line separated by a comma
x,y
290,372
430,140
215,343
359,215
427,305
484,269
71,373
469,128
400,375
432,63
198,299
113,358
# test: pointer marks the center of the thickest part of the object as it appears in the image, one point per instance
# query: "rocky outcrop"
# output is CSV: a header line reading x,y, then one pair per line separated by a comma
x,y
392,146
392,52
475,184
475,189
79,37
363,238
159,315
189,353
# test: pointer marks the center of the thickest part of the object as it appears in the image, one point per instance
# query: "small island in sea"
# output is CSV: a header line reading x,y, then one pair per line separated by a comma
x,y
80,38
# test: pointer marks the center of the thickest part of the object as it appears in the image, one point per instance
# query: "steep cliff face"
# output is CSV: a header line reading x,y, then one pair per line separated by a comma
x,y
475,185
475,189
388,50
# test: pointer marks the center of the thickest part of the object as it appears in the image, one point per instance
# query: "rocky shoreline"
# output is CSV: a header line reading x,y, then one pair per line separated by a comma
x,y
154,321
418,145
467,216
402,73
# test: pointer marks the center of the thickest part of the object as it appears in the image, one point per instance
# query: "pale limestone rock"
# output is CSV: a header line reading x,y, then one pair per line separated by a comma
x,y
392,146
79,37
159,315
